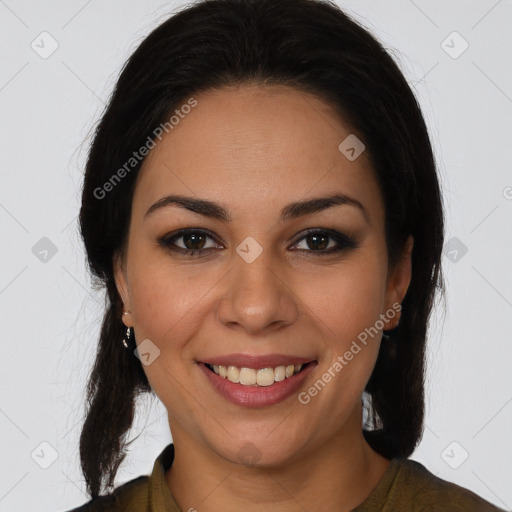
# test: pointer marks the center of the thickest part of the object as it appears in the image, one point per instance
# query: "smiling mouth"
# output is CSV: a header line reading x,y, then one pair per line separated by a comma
x,y
262,377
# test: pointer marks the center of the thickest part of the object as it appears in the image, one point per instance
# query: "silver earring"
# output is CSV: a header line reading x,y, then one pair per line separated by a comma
x,y
126,339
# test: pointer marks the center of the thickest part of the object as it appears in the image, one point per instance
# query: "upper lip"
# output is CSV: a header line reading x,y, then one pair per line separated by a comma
x,y
256,362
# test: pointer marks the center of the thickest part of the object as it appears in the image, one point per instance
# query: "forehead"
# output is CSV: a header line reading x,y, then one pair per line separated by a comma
x,y
257,143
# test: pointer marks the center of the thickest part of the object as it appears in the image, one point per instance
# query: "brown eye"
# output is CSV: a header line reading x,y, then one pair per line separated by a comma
x,y
319,242
193,242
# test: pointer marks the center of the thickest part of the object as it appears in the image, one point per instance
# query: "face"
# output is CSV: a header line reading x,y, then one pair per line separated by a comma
x,y
268,285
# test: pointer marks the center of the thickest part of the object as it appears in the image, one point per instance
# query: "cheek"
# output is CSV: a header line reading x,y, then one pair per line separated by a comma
x,y
346,306
166,303
347,299
347,316
167,307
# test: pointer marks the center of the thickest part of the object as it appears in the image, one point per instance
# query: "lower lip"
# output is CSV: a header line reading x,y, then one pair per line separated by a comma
x,y
257,396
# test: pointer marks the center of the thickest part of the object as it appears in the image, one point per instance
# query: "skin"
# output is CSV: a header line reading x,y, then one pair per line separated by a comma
x,y
254,149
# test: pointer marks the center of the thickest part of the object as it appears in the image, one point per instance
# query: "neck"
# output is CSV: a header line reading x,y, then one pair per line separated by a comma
x,y
335,476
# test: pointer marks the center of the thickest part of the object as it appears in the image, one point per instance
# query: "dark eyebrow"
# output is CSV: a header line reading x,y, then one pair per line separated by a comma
x,y
290,211
318,204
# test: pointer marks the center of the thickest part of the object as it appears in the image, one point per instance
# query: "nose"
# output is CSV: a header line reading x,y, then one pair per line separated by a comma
x,y
256,296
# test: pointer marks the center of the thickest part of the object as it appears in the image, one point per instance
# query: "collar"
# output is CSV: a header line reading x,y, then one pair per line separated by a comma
x,y
160,498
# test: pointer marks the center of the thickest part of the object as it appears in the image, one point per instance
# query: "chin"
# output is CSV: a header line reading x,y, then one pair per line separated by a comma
x,y
259,451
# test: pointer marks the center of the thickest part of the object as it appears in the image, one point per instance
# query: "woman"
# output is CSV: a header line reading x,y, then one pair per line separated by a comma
x,y
262,206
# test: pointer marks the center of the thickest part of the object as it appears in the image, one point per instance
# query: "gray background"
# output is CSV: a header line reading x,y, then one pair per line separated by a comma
x,y
50,315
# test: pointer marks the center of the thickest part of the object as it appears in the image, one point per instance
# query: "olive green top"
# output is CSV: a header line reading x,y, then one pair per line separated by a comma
x,y
405,486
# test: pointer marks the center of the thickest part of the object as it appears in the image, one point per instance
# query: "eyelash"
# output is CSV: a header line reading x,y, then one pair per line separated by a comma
x,y
344,241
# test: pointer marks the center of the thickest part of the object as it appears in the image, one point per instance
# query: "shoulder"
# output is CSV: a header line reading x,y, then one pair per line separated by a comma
x,y
415,484
142,494
131,496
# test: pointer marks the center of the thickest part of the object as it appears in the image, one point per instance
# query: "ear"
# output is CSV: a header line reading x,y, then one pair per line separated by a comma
x,y
122,287
400,278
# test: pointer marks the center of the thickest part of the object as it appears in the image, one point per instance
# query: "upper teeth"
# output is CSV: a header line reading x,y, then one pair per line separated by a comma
x,y
251,377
